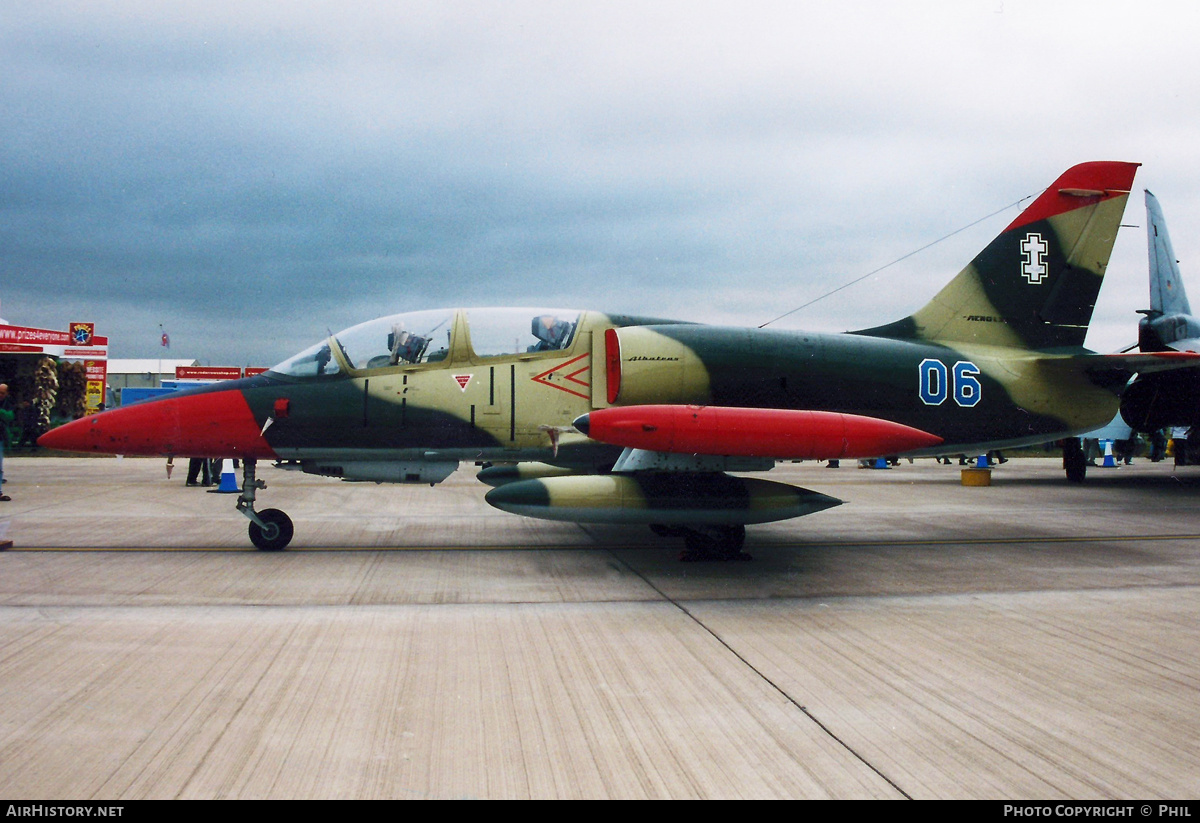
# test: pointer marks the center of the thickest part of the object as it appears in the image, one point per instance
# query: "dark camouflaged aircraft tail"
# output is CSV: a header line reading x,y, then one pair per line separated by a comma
x,y
1035,285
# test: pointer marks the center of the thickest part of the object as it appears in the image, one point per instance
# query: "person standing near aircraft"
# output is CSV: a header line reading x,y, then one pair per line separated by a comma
x,y
1158,446
6,417
198,467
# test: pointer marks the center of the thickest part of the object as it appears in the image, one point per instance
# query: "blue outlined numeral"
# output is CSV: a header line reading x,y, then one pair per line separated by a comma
x,y
933,388
967,390
935,381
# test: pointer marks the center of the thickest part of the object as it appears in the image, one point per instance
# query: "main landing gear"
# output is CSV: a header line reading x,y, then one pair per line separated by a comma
x,y
270,529
706,543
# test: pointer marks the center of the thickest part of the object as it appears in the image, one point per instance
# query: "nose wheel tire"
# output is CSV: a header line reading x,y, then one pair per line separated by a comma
x,y
276,535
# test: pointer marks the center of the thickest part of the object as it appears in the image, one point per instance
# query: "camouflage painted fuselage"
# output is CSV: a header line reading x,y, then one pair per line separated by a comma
x,y
970,395
508,408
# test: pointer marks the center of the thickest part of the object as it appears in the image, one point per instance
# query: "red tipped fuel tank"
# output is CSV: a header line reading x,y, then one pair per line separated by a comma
x,y
784,434
204,424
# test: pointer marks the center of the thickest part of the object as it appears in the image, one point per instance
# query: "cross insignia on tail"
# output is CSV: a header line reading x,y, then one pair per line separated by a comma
x,y
1033,268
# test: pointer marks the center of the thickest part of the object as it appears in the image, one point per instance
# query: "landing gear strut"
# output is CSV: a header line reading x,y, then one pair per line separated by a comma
x,y
270,530
707,542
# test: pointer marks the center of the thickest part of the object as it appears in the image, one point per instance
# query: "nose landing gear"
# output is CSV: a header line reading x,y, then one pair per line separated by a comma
x,y
270,530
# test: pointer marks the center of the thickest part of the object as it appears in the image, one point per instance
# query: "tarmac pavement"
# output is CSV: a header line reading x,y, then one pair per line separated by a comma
x,y
1028,640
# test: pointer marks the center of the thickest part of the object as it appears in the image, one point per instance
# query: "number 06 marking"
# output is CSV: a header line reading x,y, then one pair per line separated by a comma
x,y
936,381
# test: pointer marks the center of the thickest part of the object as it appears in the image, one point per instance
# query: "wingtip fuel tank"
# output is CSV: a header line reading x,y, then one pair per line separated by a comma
x,y
784,434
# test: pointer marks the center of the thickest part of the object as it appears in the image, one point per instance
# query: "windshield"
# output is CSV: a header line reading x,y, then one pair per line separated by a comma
x,y
415,337
401,339
314,361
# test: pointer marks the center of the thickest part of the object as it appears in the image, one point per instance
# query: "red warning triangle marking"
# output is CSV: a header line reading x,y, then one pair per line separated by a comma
x,y
561,371
462,380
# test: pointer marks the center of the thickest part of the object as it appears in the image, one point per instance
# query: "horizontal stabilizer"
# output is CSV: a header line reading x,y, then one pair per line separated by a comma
x,y
1117,369
1190,345
1140,362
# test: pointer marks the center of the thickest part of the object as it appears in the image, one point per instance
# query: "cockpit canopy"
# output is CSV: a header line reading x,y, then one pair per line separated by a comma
x,y
436,335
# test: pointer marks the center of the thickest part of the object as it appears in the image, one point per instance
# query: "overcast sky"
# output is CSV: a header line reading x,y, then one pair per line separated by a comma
x,y
250,176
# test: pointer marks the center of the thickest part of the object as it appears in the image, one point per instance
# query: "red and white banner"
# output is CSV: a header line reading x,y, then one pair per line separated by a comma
x,y
79,343
215,372
207,373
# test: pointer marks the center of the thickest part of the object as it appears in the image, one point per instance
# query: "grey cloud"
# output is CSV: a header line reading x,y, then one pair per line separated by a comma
x,y
254,173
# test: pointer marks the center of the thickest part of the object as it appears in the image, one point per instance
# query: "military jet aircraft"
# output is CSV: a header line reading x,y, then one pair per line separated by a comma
x,y
1157,401
591,417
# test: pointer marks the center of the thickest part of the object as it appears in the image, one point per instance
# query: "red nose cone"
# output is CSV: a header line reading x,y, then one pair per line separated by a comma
x,y
209,424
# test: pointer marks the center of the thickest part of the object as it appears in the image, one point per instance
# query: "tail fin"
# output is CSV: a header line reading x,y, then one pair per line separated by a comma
x,y
1169,322
1166,288
1036,284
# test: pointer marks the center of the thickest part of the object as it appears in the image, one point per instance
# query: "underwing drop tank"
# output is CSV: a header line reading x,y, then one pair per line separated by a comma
x,y
658,498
